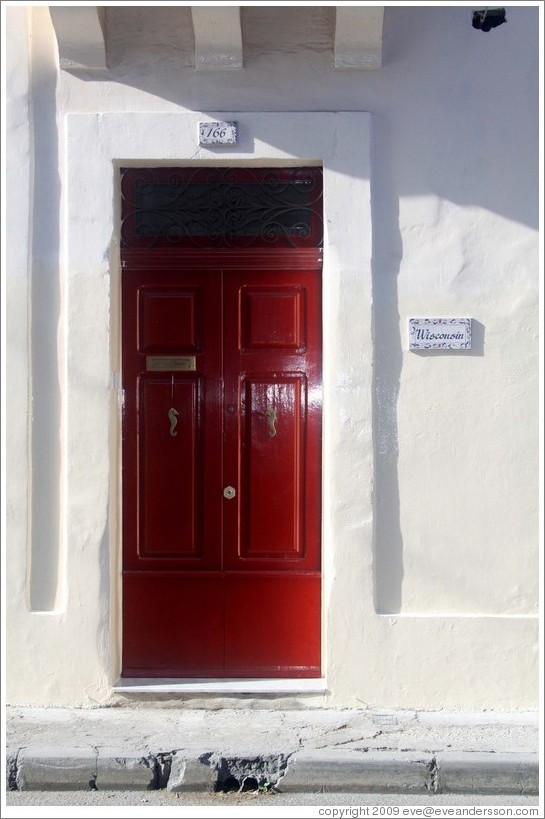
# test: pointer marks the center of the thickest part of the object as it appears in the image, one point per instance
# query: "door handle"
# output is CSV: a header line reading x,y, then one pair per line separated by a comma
x,y
173,418
271,421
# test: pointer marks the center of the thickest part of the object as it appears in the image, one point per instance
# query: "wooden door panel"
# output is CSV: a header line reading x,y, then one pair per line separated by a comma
x,y
170,467
170,320
171,501
272,624
173,624
272,318
273,412
272,367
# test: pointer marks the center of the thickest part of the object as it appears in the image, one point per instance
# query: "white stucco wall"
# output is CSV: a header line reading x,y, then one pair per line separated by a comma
x,y
18,180
430,509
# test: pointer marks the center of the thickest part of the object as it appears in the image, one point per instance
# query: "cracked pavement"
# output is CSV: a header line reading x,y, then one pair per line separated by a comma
x,y
232,730
257,748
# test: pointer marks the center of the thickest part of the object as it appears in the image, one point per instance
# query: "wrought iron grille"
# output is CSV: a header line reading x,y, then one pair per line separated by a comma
x,y
221,207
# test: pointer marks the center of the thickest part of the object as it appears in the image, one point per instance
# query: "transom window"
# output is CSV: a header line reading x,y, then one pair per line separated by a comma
x,y
221,207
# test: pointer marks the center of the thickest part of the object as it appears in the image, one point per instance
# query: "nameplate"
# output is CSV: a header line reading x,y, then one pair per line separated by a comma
x,y
439,334
157,363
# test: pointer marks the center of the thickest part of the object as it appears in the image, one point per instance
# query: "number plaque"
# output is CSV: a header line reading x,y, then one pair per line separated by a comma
x,y
217,133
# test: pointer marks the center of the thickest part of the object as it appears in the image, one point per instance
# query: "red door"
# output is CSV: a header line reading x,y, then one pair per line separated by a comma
x,y
221,464
221,422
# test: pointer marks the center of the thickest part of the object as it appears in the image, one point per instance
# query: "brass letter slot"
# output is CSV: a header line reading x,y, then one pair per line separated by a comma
x,y
170,362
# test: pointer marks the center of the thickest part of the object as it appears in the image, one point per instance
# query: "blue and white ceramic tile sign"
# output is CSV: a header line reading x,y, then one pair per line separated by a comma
x,y
439,334
218,133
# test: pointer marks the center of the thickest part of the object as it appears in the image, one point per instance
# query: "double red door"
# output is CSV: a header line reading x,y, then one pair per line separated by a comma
x,y
221,470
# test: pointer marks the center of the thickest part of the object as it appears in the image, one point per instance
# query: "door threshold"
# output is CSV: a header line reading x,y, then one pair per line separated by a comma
x,y
160,685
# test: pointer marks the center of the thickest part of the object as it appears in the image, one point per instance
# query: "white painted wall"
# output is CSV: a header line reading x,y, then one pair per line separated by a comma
x,y
18,409
430,514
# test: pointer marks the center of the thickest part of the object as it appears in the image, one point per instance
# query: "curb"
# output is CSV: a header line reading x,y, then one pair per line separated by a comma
x,y
490,773
47,768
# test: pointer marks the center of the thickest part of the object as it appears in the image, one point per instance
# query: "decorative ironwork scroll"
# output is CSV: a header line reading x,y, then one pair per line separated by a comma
x,y
221,207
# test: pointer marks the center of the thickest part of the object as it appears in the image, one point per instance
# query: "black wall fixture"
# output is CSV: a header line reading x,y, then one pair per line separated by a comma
x,y
488,18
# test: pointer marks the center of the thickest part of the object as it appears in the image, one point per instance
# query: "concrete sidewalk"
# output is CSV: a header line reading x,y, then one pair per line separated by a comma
x,y
311,750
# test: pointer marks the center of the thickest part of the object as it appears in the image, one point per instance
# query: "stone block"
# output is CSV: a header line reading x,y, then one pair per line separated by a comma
x,y
119,769
356,771
191,774
49,768
485,772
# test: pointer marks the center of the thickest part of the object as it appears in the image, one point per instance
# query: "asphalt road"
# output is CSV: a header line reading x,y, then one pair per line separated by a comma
x,y
229,804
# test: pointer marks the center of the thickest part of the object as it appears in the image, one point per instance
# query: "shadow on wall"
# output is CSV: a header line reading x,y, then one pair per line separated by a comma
x,y
104,629
388,534
451,119
457,99
43,560
387,255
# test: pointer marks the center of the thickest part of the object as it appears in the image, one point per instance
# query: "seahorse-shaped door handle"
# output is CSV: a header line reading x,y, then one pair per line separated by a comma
x,y
173,418
271,420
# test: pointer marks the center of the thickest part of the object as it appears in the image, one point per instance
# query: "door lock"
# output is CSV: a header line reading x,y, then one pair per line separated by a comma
x,y
229,492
